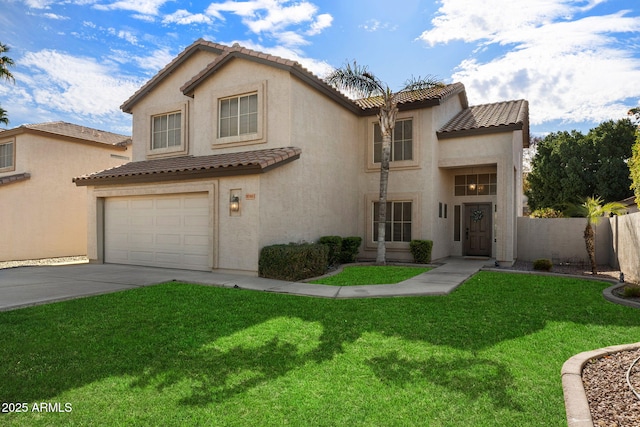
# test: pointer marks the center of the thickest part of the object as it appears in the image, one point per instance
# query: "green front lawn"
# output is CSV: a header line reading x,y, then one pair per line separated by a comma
x,y
489,354
371,275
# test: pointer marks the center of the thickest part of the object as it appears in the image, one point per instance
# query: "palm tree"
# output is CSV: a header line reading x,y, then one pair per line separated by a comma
x,y
5,62
3,117
357,79
593,210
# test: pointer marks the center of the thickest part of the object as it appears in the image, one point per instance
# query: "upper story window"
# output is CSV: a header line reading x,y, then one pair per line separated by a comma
x,y
166,131
476,184
401,141
238,115
6,156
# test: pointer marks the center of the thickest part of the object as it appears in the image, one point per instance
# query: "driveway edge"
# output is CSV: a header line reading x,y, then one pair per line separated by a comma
x,y
575,398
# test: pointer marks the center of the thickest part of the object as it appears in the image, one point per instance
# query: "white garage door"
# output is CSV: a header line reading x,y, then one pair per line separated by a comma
x,y
161,231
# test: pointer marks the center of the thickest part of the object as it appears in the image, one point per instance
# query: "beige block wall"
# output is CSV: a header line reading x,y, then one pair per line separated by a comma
x,y
560,239
625,245
45,216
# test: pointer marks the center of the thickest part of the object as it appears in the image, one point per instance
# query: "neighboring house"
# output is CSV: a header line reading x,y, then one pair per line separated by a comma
x,y
42,213
235,150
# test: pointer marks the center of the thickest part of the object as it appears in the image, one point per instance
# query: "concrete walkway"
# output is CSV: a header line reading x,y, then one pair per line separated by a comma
x,y
25,286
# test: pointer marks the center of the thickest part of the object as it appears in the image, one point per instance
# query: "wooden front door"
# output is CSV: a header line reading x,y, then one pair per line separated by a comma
x,y
477,229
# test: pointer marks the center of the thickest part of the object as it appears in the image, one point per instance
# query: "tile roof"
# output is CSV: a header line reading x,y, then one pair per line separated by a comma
x,y
192,167
10,179
488,118
75,131
432,96
228,53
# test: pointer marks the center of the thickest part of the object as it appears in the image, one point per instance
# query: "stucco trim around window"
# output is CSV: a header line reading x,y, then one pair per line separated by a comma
x,y
413,163
170,109
260,136
7,155
416,226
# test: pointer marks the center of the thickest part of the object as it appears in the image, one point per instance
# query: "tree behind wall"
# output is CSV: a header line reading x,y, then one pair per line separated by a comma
x,y
569,166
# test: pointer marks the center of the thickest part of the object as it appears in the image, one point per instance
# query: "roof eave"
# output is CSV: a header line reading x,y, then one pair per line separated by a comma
x,y
196,46
479,131
182,175
120,146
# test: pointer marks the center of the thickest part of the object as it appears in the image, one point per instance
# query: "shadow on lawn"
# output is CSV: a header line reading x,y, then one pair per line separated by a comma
x,y
474,377
156,336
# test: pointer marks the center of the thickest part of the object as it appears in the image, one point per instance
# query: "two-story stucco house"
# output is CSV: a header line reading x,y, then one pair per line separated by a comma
x,y
235,149
42,213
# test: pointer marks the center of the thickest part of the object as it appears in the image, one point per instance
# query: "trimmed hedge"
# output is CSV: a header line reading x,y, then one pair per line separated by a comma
x,y
350,248
542,264
334,243
293,262
421,250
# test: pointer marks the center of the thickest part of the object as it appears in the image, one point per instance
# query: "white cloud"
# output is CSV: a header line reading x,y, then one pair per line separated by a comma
x,y
275,17
142,7
55,17
75,85
183,17
570,69
373,25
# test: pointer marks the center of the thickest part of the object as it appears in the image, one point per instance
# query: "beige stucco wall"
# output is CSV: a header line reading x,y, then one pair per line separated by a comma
x,y
560,240
45,216
625,245
501,151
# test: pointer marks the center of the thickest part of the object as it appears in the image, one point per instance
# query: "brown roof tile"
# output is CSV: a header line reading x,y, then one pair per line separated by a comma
x,y
79,132
433,95
191,167
487,118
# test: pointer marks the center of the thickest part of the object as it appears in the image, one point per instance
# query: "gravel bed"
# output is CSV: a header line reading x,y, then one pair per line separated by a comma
x,y
44,261
611,399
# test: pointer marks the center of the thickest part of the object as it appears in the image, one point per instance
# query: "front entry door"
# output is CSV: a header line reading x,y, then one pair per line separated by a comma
x,y
478,229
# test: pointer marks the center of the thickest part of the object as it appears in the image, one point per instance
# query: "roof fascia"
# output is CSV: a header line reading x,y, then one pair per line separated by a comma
x,y
479,131
252,169
27,130
198,45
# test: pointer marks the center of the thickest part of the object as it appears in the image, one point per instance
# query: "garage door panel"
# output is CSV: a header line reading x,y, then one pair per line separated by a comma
x,y
164,231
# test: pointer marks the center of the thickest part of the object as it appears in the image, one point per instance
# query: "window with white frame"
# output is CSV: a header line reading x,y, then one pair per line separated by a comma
x,y
166,131
397,224
238,115
401,141
6,155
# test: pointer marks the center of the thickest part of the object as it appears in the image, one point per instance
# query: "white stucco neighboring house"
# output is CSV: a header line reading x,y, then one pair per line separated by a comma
x,y
234,150
42,213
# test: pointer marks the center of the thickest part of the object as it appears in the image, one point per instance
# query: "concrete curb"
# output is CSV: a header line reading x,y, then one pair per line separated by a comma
x,y
575,398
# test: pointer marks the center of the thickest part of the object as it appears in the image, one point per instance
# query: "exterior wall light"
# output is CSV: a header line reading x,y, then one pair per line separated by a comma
x,y
234,204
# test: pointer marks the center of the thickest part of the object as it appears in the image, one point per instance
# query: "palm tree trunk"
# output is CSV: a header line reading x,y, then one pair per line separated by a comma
x,y
589,240
381,256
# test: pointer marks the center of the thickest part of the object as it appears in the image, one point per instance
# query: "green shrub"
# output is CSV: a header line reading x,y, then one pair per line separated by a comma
x,y
631,291
350,248
421,250
293,261
546,213
334,243
542,264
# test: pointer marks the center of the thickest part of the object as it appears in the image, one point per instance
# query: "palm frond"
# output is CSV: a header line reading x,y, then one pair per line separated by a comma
x,y
356,78
417,83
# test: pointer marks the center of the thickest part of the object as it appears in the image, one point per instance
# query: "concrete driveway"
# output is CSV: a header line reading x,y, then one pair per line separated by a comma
x,y
25,286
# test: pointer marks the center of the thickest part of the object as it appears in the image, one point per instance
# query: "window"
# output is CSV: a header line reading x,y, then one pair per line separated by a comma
x,y
6,155
476,185
398,223
166,131
401,141
238,115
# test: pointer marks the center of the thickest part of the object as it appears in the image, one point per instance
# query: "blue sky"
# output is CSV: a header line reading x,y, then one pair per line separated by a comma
x,y
577,62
